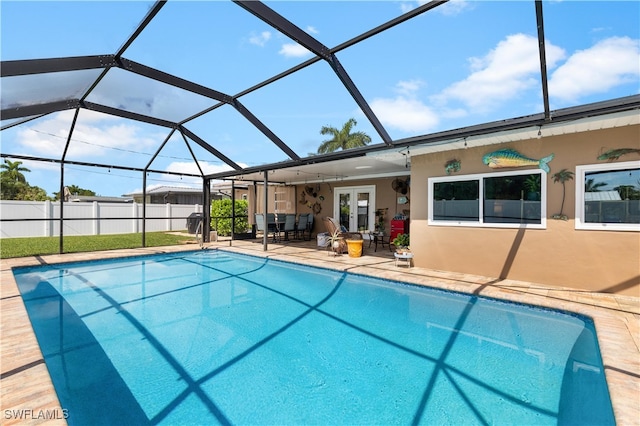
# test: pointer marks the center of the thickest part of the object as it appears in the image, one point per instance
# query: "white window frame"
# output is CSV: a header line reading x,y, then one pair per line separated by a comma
x,y
480,177
579,178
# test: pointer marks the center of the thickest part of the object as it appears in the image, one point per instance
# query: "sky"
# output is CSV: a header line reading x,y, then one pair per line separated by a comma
x,y
465,63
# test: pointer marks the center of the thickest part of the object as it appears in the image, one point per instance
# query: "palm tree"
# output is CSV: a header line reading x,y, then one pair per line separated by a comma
x,y
342,139
13,170
592,186
562,176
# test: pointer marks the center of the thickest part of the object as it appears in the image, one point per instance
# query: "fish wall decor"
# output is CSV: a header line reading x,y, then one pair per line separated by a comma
x,y
614,154
512,158
452,166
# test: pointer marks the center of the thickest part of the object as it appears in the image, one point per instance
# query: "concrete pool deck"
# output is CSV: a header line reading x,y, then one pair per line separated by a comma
x,y
27,395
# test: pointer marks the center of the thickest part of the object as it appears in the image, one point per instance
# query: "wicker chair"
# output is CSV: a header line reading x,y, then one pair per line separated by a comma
x,y
332,226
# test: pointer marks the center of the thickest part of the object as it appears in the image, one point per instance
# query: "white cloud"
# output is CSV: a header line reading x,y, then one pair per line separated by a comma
x,y
500,76
409,87
187,167
505,72
409,115
260,39
191,168
607,64
405,112
406,7
454,7
312,30
95,135
294,50
451,8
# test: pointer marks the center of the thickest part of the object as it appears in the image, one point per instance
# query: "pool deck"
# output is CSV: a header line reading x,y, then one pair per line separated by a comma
x,y
25,383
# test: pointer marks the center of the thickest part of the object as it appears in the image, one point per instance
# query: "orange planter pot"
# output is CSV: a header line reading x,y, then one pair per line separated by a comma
x,y
354,247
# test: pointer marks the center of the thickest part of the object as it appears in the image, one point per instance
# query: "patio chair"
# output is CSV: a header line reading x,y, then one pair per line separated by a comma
x,y
301,226
289,225
259,222
310,224
332,226
269,227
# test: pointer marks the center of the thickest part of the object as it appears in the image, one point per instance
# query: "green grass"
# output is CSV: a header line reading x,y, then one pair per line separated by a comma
x,y
33,246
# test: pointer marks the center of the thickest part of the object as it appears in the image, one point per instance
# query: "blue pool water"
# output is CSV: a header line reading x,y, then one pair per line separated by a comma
x,y
211,337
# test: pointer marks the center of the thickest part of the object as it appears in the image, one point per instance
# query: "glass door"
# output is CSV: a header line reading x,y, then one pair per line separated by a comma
x,y
354,207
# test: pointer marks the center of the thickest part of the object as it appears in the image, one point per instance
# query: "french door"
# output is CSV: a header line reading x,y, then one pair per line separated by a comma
x,y
354,207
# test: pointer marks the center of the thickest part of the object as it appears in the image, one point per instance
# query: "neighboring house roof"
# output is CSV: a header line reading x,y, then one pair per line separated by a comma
x,y
220,187
167,189
602,196
226,186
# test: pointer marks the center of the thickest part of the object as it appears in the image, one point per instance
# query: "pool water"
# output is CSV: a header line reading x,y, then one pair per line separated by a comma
x,y
210,337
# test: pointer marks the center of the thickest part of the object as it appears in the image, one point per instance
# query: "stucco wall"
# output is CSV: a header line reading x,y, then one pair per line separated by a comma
x,y
606,261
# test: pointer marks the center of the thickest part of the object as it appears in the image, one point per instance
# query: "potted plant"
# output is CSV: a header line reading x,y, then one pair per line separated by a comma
x,y
533,185
401,241
380,220
334,241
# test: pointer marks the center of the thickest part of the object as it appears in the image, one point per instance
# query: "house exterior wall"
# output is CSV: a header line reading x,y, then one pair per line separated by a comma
x,y
560,255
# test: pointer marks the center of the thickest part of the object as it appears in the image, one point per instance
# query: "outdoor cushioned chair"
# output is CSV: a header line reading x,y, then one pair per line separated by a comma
x,y
310,224
301,226
269,227
289,225
259,222
332,226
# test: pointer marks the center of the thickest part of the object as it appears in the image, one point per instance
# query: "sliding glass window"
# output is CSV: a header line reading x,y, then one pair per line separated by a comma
x,y
608,196
503,199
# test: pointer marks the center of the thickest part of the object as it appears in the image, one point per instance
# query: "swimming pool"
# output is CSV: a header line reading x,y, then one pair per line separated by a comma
x,y
207,336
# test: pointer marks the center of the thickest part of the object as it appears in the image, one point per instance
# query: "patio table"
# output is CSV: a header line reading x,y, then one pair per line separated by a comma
x,y
378,237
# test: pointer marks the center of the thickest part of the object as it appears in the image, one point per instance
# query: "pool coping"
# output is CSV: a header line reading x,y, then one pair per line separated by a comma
x,y
26,385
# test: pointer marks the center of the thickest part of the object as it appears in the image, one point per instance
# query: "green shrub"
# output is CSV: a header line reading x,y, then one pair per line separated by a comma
x,y
401,240
222,209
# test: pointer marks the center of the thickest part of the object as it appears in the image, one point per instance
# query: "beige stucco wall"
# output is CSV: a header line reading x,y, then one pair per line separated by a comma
x,y
606,261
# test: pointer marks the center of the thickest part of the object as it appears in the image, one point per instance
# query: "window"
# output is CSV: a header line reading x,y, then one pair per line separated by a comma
x,y
608,196
505,199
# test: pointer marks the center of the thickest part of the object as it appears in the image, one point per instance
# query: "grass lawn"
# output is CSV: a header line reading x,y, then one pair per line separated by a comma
x,y
32,246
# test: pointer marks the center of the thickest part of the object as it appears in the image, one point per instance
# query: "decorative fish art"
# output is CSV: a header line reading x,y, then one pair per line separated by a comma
x,y
452,166
614,154
512,158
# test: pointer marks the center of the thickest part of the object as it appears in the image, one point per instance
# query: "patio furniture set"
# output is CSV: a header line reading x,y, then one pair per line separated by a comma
x,y
280,225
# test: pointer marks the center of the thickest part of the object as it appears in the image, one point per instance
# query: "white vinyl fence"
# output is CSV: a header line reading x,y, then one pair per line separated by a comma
x,y
93,218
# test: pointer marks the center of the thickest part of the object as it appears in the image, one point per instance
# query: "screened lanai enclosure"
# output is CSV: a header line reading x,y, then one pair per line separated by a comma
x,y
124,95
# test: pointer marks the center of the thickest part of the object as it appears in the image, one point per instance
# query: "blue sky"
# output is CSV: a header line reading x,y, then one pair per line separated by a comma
x,y
465,63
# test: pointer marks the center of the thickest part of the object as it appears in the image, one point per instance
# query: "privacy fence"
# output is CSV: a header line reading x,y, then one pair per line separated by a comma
x,y
42,218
